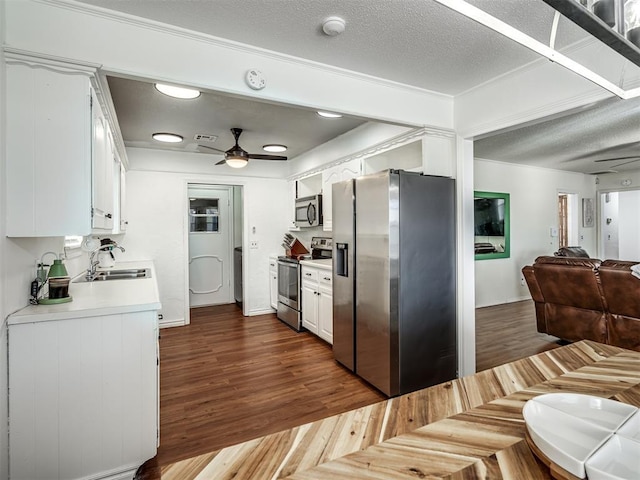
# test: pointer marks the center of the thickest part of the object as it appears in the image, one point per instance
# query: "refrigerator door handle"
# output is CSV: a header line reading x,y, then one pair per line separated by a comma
x,y
342,250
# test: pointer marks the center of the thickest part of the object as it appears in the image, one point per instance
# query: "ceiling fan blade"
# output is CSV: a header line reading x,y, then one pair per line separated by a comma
x,y
626,163
211,148
221,162
258,156
617,158
604,151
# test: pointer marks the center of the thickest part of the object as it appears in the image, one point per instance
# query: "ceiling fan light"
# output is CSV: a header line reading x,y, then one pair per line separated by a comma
x,y
237,162
329,114
274,148
167,137
177,92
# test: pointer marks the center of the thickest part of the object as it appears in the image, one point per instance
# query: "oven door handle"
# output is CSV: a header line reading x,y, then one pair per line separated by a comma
x,y
311,213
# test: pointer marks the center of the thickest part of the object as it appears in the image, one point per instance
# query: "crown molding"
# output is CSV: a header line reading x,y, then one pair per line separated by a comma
x,y
51,62
382,147
230,44
67,66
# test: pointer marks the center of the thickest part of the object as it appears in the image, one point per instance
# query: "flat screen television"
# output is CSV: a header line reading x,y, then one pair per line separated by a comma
x,y
489,217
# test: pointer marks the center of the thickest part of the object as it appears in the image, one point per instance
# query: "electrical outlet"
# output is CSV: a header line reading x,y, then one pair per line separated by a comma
x,y
253,244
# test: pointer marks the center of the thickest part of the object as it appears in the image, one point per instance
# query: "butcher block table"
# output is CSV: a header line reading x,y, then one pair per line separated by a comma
x,y
468,428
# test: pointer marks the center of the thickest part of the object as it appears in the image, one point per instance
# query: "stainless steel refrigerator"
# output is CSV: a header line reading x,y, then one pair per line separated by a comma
x,y
394,282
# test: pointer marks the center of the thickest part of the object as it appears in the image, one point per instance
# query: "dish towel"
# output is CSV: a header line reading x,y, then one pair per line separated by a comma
x,y
635,270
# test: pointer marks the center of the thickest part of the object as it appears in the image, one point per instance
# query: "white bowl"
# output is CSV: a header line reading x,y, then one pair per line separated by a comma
x,y
617,459
603,412
631,428
565,440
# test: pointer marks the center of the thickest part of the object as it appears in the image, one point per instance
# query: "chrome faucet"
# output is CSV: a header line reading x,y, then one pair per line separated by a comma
x,y
91,271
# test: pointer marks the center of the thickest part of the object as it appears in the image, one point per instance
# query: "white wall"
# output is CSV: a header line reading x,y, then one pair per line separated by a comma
x,y
4,439
534,210
629,226
610,182
609,223
350,143
157,208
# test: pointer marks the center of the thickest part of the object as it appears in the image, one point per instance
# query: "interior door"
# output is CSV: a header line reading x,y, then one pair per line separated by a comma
x,y
210,240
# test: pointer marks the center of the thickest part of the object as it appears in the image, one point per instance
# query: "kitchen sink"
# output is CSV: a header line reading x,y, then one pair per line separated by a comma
x,y
124,274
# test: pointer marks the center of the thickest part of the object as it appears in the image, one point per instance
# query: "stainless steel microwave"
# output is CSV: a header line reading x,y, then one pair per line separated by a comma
x,y
309,211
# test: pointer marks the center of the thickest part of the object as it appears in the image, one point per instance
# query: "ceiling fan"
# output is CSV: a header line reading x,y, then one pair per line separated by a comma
x,y
236,156
630,159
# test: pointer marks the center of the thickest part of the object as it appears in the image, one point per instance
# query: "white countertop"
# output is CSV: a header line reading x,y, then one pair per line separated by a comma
x,y
322,263
92,299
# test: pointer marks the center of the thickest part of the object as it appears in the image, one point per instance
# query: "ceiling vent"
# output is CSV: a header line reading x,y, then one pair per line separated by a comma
x,y
205,138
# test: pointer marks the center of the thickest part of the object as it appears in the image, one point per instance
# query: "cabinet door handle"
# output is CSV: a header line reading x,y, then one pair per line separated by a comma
x,y
108,215
308,274
327,278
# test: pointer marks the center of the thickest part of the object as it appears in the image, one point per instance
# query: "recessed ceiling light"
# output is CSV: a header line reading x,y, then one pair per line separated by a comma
x,y
274,148
177,92
329,114
167,137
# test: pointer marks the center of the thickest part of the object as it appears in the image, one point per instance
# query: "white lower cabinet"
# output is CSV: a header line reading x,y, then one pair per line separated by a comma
x,y
317,302
83,396
273,281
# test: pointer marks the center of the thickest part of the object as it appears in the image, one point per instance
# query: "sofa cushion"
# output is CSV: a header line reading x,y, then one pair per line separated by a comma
x,y
571,323
621,289
624,332
570,281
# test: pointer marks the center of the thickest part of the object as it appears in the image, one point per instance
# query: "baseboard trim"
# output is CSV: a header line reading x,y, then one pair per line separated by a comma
x,y
263,311
510,300
171,323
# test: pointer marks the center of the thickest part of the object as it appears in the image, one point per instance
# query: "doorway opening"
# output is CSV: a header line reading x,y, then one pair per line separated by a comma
x,y
620,225
568,223
215,244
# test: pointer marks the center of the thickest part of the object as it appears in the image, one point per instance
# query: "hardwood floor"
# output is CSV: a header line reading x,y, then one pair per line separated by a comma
x,y
507,332
226,378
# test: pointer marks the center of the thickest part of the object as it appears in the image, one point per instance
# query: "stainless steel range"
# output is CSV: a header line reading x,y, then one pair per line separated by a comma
x,y
289,305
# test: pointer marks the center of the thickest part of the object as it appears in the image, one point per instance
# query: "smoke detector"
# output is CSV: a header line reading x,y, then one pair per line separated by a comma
x,y
333,26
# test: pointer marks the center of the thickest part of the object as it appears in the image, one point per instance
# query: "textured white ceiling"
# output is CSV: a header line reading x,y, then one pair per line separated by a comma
x,y
414,42
592,140
142,111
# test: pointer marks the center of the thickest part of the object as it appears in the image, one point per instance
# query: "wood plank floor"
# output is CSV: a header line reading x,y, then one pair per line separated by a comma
x,y
507,332
226,378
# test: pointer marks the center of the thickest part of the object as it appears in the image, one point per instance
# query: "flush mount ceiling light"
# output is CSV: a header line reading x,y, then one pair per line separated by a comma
x,y
274,148
177,92
167,137
329,114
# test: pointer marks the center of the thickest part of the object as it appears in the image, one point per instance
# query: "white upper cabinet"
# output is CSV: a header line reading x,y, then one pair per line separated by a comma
x,y
48,152
331,175
431,154
104,165
61,160
122,193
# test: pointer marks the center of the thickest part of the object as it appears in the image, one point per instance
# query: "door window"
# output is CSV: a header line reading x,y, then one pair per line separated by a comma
x,y
203,215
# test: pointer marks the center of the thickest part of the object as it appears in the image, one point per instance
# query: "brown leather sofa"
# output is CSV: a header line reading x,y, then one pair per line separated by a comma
x,y
585,298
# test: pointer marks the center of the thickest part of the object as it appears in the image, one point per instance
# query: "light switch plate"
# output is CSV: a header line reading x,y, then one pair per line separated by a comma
x,y
553,231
